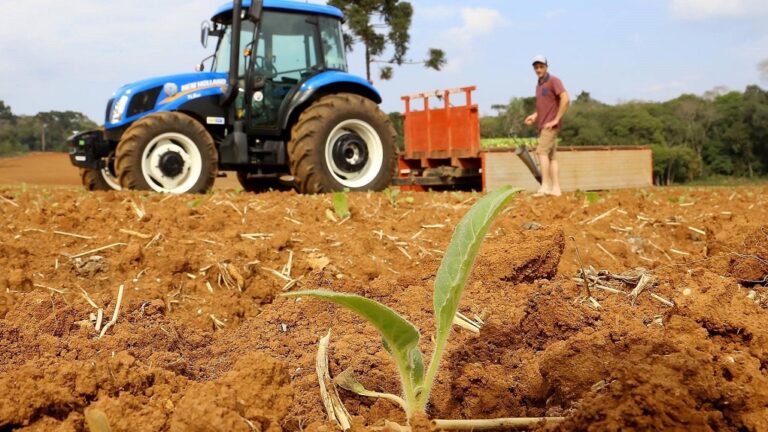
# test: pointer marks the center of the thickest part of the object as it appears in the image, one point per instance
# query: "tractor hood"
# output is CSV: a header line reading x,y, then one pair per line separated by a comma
x,y
133,101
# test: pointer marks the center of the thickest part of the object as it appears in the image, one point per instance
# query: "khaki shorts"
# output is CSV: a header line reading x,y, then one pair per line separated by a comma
x,y
548,143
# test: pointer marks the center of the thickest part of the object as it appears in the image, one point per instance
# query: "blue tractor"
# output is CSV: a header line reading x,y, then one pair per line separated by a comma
x,y
277,106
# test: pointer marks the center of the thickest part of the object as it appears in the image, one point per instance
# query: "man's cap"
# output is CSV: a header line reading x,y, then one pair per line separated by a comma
x,y
539,59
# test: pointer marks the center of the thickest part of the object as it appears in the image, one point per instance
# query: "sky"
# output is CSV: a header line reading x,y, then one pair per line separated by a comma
x,y
71,55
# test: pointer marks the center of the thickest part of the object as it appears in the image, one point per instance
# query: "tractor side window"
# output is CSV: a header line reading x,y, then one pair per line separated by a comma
x,y
333,44
294,57
221,62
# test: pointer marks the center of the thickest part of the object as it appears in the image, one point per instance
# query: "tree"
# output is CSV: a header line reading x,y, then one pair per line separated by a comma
x,y
5,112
365,17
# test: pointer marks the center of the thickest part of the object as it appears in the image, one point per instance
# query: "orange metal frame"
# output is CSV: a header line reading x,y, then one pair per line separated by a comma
x,y
442,133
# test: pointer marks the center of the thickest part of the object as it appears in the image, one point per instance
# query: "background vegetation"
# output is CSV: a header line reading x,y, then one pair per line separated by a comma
x,y
22,134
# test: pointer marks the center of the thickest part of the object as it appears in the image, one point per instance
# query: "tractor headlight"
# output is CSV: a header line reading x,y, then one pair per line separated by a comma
x,y
119,109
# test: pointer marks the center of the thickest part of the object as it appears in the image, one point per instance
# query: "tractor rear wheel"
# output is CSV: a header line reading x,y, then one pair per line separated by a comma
x,y
167,152
258,185
342,141
104,179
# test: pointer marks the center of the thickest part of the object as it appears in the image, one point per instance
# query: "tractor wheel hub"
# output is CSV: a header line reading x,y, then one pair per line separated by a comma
x,y
350,153
171,164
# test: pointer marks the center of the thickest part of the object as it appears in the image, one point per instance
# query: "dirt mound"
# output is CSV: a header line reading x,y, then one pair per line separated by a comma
x,y
750,263
701,368
204,340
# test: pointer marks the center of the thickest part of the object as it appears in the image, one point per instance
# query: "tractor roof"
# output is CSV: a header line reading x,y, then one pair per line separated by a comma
x,y
226,9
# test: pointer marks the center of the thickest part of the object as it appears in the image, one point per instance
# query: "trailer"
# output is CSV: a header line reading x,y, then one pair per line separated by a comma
x,y
443,151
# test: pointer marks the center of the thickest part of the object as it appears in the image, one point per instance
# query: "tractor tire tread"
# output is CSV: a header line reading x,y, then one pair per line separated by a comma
x,y
129,150
303,144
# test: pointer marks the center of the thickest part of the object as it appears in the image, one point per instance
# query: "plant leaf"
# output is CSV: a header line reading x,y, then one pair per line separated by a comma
x,y
341,204
461,253
401,338
348,381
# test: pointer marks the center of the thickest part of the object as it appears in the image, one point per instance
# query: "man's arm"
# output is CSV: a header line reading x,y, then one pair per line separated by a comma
x,y
531,119
564,101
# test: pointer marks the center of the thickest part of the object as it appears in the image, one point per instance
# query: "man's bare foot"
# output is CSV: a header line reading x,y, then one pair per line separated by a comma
x,y
555,192
541,192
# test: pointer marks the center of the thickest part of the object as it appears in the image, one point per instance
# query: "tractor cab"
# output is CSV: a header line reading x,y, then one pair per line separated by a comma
x,y
276,105
290,47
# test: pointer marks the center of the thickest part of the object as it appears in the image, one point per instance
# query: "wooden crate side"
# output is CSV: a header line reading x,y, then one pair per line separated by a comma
x,y
614,168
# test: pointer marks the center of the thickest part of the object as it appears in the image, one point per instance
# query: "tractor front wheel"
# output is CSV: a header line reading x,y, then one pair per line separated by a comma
x,y
104,179
167,152
342,141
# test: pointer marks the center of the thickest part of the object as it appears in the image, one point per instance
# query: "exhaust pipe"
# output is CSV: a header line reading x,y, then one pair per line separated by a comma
x,y
525,156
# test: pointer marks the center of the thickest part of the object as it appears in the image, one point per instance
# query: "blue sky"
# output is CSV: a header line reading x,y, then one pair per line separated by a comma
x,y
74,54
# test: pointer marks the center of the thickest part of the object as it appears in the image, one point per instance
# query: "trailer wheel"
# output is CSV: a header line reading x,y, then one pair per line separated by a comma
x,y
342,141
104,179
167,152
258,185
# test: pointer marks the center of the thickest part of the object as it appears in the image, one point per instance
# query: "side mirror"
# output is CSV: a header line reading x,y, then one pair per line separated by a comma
x,y
205,31
254,11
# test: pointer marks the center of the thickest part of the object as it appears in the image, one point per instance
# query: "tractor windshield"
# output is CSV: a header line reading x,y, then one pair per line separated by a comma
x,y
289,45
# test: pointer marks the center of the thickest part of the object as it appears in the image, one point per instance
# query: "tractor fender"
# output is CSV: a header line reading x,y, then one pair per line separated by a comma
x,y
325,83
206,110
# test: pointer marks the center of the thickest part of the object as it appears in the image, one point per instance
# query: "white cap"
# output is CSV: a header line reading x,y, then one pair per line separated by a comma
x,y
539,59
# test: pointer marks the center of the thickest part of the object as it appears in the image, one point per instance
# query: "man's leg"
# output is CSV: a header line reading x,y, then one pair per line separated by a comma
x,y
545,152
554,169
546,181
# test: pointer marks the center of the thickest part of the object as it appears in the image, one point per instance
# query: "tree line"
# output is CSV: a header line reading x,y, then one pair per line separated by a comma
x,y
718,133
47,131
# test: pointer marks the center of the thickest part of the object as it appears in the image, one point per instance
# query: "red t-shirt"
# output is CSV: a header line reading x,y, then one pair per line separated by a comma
x,y
548,93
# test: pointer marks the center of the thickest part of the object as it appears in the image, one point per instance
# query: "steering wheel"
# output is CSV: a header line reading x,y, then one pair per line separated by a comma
x,y
261,68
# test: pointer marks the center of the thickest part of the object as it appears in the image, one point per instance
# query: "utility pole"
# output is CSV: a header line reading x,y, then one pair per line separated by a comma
x,y
45,126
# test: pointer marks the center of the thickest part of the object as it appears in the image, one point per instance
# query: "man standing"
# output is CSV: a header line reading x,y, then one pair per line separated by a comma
x,y
551,105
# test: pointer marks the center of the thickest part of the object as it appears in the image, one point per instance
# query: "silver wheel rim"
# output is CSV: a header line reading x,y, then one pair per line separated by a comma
x,y
186,149
371,169
109,175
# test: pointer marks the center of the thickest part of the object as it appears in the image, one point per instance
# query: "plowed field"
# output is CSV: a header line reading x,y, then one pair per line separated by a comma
x,y
204,341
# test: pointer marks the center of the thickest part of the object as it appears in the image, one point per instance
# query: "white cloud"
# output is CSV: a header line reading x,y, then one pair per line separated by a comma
x,y
703,9
476,22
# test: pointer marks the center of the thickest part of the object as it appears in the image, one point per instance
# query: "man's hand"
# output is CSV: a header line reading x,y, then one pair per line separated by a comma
x,y
531,119
551,124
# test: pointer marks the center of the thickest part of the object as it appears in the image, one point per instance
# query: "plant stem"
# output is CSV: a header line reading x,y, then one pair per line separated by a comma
x,y
408,390
434,365
499,423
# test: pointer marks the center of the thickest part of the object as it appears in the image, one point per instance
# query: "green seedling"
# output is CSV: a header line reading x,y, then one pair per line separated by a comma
x,y
592,197
392,196
400,337
341,205
195,203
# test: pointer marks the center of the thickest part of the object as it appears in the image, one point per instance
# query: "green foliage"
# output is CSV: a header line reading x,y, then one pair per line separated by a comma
x,y
392,195
379,24
400,337
673,164
592,197
22,134
397,122
719,133
341,205
195,203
